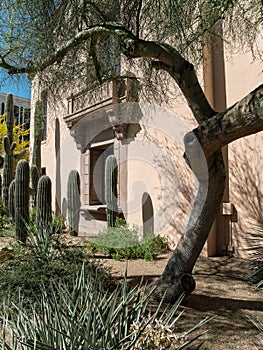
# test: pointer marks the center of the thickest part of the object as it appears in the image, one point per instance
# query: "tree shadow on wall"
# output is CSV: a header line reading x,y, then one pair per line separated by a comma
x,y
246,185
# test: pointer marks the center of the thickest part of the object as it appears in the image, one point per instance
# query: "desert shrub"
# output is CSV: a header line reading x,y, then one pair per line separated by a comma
x,y
121,242
4,219
20,137
86,317
45,260
58,224
255,273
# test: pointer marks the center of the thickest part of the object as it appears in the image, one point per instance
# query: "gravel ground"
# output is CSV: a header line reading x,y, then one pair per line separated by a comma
x,y
221,292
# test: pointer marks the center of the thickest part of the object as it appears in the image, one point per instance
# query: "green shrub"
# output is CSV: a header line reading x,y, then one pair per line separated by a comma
x,y
43,261
4,218
255,273
58,224
88,318
121,242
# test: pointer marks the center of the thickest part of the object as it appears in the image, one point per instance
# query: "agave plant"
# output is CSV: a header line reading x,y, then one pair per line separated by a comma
x,y
89,318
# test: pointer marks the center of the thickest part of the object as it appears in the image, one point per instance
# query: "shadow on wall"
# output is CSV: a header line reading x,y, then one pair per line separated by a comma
x,y
246,186
147,214
180,191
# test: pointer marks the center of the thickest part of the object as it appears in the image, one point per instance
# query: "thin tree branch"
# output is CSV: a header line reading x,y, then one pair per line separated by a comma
x,y
93,53
10,68
97,9
169,59
138,19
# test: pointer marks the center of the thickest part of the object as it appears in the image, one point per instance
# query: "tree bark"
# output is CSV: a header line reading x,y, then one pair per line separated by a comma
x,y
242,119
176,278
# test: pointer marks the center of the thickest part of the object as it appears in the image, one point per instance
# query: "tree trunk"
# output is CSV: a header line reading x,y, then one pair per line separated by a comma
x,y
176,278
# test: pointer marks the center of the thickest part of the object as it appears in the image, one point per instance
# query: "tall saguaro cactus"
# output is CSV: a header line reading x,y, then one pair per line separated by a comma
x,y
73,194
38,134
34,182
11,201
22,200
44,205
9,117
9,146
1,184
111,176
8,171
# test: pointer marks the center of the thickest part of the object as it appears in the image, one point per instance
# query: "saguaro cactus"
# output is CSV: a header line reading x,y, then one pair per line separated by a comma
x,y
8,171
38,134
11,201
1,183
73,194
22,200
9,117
111,176
9,147
43,204
34,182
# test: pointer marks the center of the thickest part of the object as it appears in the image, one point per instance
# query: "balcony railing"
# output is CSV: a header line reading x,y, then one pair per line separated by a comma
x,y
110,92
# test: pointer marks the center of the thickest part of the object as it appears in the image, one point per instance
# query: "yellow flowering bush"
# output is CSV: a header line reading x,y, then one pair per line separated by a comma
x,y
19,137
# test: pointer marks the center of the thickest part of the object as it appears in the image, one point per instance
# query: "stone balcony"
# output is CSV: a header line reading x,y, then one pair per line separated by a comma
x,y
111,92
103,108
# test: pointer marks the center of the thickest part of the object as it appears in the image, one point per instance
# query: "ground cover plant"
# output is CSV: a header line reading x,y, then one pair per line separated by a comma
x,y
44,260
121,242
4,220
86,317
54,296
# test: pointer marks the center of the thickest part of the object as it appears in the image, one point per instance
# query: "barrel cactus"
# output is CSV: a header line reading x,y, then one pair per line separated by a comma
x,y
73,194
22,200
44,205
11,201
111,172
38,134
34,182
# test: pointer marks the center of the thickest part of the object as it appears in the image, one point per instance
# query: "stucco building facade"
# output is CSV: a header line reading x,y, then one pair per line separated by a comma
x,y
155,186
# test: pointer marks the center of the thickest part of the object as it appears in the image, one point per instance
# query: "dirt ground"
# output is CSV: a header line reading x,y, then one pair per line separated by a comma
x,y
221,291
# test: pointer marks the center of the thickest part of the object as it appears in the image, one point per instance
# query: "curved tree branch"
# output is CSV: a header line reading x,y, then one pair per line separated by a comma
x,y
188,82
242,119
168,58
206,206
93,54
10,68
138,19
